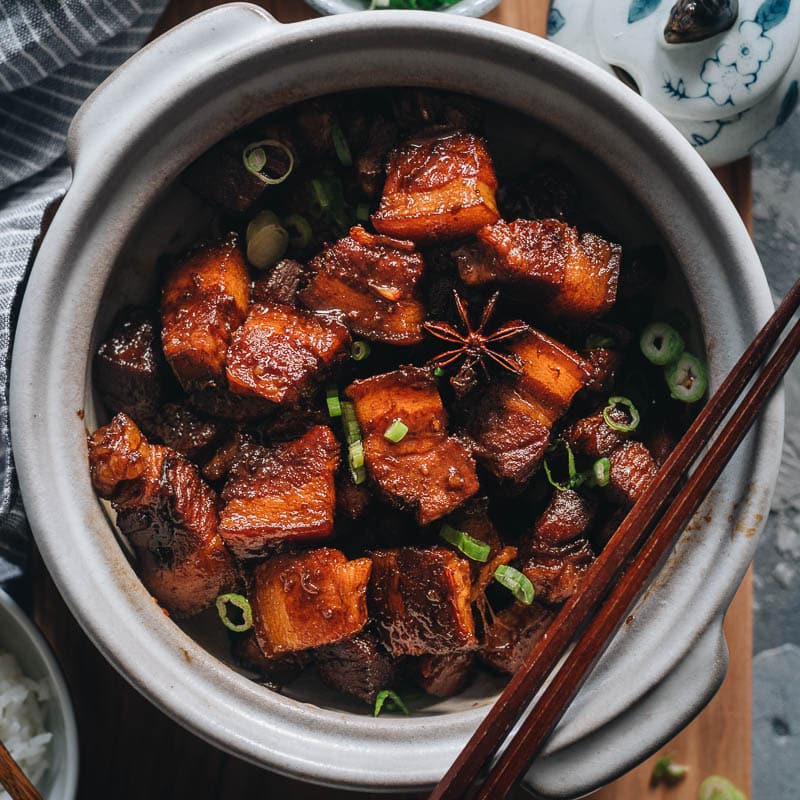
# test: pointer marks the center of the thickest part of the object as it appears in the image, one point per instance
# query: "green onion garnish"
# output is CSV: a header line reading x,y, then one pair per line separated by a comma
x,y
360,350
575,478
601,472
517,583
715,787
355,454
355,447
469,546
269,160
237,601
300,233
661,344
352,431
396,431
267,240
391,701
321,195
334,405
362,212
667,771
687,379
597,341
625,427
342,148
438,372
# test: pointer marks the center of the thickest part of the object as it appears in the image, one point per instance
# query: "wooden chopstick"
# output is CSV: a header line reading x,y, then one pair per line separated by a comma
x,y
607,568
537,727
14,780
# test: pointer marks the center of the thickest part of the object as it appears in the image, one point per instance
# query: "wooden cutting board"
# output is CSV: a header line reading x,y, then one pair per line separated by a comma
x,y
131,751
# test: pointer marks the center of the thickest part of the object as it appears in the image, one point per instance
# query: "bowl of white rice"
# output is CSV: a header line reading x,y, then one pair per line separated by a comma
x,y
37,723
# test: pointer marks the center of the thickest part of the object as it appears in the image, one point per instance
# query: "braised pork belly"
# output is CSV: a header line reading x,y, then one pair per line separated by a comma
x,y
632,471
446,675
510,636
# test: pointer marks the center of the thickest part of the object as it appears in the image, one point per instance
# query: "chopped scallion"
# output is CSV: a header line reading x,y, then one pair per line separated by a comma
x,y
237,601
355,453
601,472
390,701
334,405
269,160
661,344
516,582
300,233
687,379
342,148
360,350
715,787
396,431
352,431
468,545
575,478
362,212
267,240
665,770
633,413
438,372
597,340
321,195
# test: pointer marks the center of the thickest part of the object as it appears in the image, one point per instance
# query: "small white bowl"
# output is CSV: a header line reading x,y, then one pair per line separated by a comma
x,y
466,8
19,636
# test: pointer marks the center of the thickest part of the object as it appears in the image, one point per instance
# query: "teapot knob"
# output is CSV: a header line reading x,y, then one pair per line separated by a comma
x,y
696,20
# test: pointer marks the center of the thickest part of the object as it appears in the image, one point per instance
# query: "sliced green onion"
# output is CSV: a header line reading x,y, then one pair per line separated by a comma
x,y
687,379
362,212
300,233
438,372
355,454
360,350
575,478
396,431
597,341
333,402
321,196
258,157
355,448
661,344
517,583
342,149
237,601
469,546
267,240
715,787
391,701
352,431
601,472
665,770
633,413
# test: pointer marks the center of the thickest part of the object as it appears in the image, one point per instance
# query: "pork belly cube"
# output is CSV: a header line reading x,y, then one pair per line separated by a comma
x,y
274,672
281,285
308,600
427,470
168,513
556,570
371,280
604,364
632,471
567,516
421,600
203,300
526,253
359,666
129,368
370,163
512,634
279,351
185,431
439,185
281,494
661,442
592,436
446,675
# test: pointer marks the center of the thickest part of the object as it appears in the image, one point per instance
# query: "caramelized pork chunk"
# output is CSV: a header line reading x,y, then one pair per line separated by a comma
x,y
568,515
421,600
427,470
308,600
359,666
274,672
592,436
557,570
372,280
439,185
370,164
129,368
167,512
445,675
279,494
185,431
279,352
512,634
511,423
203,300
632,471
281,285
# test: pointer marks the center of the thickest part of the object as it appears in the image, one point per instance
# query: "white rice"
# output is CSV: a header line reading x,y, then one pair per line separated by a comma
x,y
23,705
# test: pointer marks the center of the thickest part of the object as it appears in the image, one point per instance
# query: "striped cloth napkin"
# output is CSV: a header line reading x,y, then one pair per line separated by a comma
x,y
53,53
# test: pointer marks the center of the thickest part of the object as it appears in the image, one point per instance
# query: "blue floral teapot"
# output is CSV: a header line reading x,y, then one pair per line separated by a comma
x,y
725,73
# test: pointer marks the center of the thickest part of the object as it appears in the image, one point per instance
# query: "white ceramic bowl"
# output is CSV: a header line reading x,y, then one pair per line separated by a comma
x,y
151,119
466,8
19,636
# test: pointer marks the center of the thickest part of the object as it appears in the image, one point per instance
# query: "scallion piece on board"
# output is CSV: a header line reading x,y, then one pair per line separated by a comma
x,y
333,402
389,700
715,787
269,160
342,148
300,232
633,413
661,344
360,350
665,770
517,583
687,379
237,601
469,546
396,431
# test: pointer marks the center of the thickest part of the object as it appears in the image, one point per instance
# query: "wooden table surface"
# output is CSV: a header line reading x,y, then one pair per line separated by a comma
x,y
131,751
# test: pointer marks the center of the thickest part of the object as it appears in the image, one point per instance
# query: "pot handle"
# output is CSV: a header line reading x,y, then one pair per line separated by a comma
x,y
174,58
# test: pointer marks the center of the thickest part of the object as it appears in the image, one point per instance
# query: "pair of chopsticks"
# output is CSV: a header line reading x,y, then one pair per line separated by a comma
x,y
14,780
614,579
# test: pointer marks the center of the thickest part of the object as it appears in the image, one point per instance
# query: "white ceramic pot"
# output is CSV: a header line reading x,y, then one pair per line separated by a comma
x,y
136,133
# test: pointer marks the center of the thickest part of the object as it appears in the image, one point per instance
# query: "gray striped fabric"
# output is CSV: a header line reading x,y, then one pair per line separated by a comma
x,y
53,53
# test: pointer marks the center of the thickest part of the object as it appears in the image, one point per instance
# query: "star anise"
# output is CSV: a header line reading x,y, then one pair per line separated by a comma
x,y
475,345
